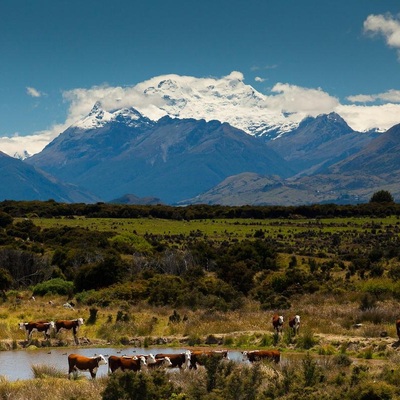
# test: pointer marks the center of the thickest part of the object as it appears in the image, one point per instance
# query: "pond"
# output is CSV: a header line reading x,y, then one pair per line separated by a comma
x,y
17,364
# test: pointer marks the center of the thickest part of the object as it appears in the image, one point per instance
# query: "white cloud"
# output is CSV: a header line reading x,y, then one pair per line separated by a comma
x,y
389,96
361,98
259,79
364,118
33,144
386,25
31,91
296,99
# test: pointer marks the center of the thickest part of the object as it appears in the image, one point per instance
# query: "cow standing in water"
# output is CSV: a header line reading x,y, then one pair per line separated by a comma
x,y
259,355
294,323
277,323
68,325
126,363
77,362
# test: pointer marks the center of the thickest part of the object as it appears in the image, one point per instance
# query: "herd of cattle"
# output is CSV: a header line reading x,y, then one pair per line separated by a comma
x,y
46,327
186,360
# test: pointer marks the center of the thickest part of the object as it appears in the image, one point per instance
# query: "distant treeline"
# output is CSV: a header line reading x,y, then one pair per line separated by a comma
x,y
51,208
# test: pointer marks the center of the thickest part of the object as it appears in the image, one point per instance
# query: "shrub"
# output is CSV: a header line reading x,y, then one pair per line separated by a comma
x,y
138,386
306,340
54,286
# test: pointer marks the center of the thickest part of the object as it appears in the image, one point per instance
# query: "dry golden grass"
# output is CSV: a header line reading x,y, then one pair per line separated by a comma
x,y
52,388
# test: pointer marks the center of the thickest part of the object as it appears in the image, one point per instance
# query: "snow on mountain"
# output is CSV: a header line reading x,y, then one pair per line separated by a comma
x,y
98,117
227,99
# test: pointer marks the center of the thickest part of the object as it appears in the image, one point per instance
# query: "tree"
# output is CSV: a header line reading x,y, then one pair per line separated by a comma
x,y
382,196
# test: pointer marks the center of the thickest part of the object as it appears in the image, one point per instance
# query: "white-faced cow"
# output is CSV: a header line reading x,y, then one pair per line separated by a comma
x,y
294,324
180,360
277,323
150,358
73,324
126,363
37,326
199,357
259,355
77,362
160,363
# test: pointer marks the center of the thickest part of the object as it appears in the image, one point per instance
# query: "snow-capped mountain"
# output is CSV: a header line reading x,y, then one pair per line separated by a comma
x,y
227,99
99,117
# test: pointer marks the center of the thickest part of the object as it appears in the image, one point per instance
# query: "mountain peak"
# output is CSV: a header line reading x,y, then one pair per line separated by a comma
x,y
98,117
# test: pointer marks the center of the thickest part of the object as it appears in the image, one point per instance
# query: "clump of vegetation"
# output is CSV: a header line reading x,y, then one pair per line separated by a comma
x,y
54,286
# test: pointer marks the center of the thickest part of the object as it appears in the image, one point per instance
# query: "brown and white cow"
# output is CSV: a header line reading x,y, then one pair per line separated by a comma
x,y
294,324
77,362
160,363
259,355
179,360
150,358
277,323
198,357
73,324
126,363
37,326
398,328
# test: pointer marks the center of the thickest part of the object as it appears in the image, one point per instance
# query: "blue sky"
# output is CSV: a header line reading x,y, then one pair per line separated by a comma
x,y
346,48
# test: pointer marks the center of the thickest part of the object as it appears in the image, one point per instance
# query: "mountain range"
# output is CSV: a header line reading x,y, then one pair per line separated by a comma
x,y
208,144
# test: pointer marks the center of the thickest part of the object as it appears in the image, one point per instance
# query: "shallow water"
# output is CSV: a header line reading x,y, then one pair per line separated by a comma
x,y
17,364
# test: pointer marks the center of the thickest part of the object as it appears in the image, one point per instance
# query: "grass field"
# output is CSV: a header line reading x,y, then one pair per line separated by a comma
x,y
220,229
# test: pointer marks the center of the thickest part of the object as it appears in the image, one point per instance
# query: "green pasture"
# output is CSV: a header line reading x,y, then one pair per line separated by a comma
x,y
221,229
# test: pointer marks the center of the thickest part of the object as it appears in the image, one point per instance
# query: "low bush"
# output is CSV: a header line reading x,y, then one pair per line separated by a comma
x,y
54,286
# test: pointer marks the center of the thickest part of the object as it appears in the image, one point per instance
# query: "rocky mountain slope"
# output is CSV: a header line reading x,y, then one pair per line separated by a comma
x,y
20,181
171,159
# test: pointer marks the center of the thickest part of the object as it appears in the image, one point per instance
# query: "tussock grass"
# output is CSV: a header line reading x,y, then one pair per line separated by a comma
x,y
51,388
41,371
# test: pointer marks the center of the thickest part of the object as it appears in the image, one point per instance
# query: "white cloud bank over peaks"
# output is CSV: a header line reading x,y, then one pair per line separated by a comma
x,y
227,99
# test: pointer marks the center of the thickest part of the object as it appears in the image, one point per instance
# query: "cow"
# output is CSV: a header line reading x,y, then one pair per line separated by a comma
x,y
398,328
294,323
150,359
160,363
178,360
77,362
37,326
197,357
259,355
277,323
125,363
73,325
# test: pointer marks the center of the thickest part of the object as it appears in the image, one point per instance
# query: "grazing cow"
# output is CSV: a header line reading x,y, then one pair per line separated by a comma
x,y
277,322
77,362
126,363
37,326
160,363
398,327
198,357
294,323
258,355
177,360
73,325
